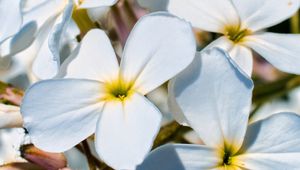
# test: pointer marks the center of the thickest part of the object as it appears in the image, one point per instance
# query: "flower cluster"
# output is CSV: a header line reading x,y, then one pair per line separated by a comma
x,y
90,67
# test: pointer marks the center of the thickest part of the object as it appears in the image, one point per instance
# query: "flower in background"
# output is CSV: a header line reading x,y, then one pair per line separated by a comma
x,y
57,32
215,99
16,34
241,23
99,96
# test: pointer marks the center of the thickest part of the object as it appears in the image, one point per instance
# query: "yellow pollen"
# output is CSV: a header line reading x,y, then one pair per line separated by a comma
x,y
235,34
227,155
118,90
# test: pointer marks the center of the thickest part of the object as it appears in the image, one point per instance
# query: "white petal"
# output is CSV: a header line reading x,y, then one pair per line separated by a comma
x,y
208,15
272,143
181,157
97,3
95,60
172,103
10,116
126,130
159,47
281,50
19,41
240,54
56,36
10,17
258,14
154,5
59,114
215,98
243,57
45,10
48,60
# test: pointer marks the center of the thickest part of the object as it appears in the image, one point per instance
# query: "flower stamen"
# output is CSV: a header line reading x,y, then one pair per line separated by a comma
x,y
235,34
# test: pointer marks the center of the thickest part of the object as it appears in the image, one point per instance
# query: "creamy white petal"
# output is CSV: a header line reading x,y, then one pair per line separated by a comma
x,y
10,17
258,14
96,3
95,59
181,157
272,143
59,114
281,50
126,130
159,47
208,15
215,96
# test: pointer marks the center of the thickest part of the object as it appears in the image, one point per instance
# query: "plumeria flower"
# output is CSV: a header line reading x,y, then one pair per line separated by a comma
x,y
242,24
215,97
100,96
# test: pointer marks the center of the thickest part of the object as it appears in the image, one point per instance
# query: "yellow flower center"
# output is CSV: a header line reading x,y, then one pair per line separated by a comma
x,y
235,34
118,90
228,158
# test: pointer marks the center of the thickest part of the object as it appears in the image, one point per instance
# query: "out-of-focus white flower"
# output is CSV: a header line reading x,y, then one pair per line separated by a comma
x,y
10,142
291,104
16,34
241,23
100,96
57,32
10,116
215,97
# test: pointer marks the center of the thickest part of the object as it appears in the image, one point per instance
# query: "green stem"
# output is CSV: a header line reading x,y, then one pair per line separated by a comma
x,y
265,92
89,155
295,24
166,134
80,16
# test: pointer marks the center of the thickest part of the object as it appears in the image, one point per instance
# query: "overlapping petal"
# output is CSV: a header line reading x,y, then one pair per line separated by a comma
x,y
238,52
10,17
63,117
272,143
243,57
95,59
48,59
126,131
181,157
258,14
208,15
215,94
281,50
159,47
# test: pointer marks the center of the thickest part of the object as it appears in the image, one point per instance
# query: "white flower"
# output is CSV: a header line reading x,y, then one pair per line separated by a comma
x,y
108,99
241,22
215,98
